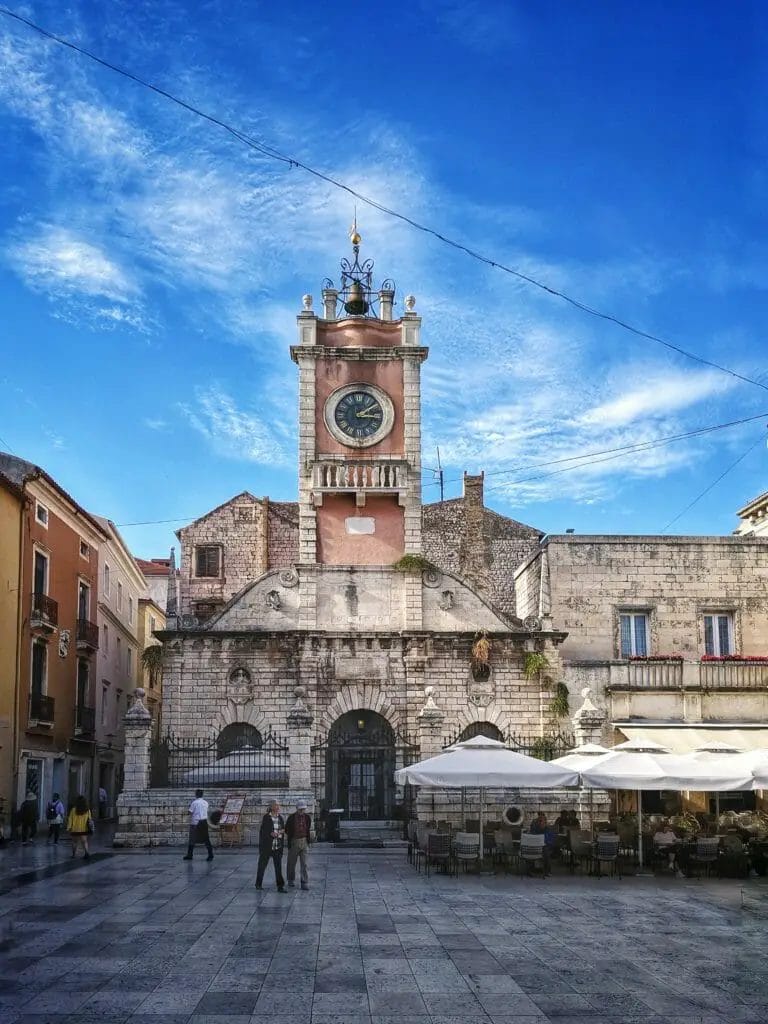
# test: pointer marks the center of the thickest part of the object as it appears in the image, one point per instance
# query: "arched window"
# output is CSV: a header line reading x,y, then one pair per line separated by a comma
x,y
238,736
487,729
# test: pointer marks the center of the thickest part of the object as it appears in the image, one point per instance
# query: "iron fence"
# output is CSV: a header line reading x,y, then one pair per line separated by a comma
x,y
181,762
546,747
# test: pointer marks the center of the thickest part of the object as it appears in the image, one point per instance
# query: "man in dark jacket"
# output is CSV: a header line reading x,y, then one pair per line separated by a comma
x,y
28,818
298,831
271,840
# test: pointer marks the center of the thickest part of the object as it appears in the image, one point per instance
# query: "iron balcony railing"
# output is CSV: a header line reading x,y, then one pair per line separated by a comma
x,y
45,611
41,707
87,635
85,720
181,762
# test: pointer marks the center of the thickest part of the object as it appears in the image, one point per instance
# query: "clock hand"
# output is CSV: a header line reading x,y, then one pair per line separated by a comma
x,y
369,415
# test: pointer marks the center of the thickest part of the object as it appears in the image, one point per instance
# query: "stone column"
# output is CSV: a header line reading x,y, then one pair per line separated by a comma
x,y
431,803
300,720
588,723
138,725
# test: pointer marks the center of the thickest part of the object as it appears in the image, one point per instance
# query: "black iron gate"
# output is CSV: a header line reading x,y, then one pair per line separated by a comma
x,y
353,770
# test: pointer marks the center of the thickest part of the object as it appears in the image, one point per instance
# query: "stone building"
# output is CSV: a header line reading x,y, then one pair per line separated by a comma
x,y
754,517
334,638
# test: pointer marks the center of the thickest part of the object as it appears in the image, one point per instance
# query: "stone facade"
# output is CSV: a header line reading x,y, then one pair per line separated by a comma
x,y
678,585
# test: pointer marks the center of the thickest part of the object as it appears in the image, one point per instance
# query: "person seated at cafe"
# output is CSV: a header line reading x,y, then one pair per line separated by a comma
x,y
665,838
563,821
539,827
573,821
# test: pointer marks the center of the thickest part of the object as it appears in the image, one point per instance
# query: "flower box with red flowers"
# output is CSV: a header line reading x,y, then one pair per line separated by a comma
x,y
753,659
656,657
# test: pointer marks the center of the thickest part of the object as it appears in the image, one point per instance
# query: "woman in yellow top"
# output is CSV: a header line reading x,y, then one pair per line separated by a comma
x,y
77,824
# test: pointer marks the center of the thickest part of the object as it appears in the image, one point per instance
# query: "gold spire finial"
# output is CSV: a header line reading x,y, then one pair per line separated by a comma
x,y
354,236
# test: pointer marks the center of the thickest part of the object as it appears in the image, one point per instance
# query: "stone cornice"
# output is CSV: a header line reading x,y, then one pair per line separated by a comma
x,y
359,354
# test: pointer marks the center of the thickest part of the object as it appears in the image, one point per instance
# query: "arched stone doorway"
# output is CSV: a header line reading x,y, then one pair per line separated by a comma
x,y
360,760
486,729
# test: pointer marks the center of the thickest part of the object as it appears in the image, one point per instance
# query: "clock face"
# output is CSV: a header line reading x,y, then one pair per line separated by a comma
x,y
359,415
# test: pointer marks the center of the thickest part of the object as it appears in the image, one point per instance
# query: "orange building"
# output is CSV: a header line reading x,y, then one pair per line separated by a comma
x,y
58,637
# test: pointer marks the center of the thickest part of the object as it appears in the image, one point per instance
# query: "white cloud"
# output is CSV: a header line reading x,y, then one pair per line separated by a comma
x,y
659,395
59,261
152,423
238,433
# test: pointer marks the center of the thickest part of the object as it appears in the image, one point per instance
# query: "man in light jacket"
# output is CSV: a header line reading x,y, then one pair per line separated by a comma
x,y
298,832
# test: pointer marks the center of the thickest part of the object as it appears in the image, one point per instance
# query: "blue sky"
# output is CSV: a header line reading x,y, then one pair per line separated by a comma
x,y
151,267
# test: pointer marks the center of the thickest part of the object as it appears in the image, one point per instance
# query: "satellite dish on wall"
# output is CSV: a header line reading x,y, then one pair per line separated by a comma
x,y
513,816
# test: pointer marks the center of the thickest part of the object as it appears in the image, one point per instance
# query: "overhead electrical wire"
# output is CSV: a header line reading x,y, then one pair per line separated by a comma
x,y
714,484
611,453
292,161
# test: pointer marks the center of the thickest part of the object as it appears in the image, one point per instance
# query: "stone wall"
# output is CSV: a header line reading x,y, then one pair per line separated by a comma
x,y
676,580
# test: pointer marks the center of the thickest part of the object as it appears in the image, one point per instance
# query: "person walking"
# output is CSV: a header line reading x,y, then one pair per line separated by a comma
x,y
28,818
80,826
298,832
54,815
198,826
271,841
103,802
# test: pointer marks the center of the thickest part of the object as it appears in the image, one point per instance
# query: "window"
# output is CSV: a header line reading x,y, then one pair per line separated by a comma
x,y
152,624
486,729
41,573
239,736
119,654
82,682
633,627
130,610
119,596
83,600
106,580
105,639
208,560
104,703
41,514
85,550
129,661
718,633
39,674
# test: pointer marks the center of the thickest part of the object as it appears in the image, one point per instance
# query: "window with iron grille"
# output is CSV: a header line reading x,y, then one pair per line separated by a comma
x,y
208,560
39,667
633,632
718,633
486,729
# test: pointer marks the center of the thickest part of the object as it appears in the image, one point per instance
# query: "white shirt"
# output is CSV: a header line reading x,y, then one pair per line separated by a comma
x,y
666,838
198,811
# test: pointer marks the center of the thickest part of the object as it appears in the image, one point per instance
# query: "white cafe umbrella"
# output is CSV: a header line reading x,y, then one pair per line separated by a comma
x,y
578,758
709,753
482,762
644,764
243,766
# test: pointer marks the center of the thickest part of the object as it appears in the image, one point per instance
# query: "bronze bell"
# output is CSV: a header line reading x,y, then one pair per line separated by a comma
x,y
356,304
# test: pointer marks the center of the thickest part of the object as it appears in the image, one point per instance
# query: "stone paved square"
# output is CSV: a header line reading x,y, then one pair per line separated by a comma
x,y
143,938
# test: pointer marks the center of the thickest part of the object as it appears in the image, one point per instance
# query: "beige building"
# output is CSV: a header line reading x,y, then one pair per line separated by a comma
x,y
754,517
151,619
122,586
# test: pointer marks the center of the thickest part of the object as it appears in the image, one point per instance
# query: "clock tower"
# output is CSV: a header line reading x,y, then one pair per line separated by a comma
x,y
359,423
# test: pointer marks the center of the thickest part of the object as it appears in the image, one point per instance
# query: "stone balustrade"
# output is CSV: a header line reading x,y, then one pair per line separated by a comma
x,y
364,475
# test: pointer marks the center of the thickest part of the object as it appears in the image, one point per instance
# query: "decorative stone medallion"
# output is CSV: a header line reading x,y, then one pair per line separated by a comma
x,y
288,578
480,691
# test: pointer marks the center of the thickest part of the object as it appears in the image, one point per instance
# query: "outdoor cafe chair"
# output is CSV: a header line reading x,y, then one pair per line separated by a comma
x,y
580,850
420,846
411,836
607,852
466,849
439,851
505,848
705,856
532,853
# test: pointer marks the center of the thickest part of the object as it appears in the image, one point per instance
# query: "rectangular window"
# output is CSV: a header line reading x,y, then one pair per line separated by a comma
x,y
106,580
119,655
41,573
41,514
83,600
208,560
119,596
105,639
633,628
130,610
82,682
718,633
129,660
104,703
152,624
85,550
39,679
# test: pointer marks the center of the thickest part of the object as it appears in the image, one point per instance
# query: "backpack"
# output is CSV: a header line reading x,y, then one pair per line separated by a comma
x,y
50,811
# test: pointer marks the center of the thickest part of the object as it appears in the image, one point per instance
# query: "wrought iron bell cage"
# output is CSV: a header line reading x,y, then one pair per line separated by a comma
x,y
357,297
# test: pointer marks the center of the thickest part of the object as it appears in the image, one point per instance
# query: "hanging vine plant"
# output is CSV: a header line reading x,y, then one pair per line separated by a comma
x,y
534,663
412,563
559,706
